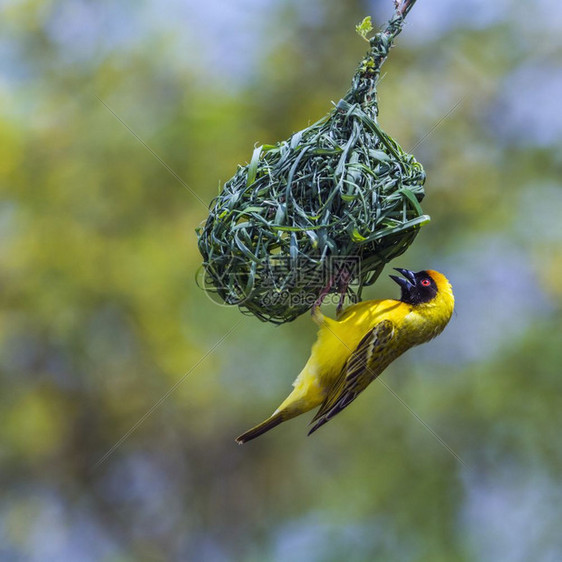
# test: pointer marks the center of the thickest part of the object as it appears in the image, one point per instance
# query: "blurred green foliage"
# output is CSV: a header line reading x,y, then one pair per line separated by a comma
x,y
104,333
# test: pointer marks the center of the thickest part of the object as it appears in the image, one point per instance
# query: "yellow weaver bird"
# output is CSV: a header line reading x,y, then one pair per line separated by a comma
x,y
355,349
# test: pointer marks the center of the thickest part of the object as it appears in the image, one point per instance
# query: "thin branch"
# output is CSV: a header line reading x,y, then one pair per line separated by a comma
x,y
404,7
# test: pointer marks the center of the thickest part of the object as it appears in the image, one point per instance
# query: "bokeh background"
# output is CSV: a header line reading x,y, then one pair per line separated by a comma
x,y
122,385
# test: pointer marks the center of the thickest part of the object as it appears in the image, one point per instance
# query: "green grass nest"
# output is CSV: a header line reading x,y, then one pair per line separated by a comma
x,y
321,212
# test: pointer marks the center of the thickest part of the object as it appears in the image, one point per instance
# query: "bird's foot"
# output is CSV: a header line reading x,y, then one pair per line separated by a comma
x,y
316,314
343,284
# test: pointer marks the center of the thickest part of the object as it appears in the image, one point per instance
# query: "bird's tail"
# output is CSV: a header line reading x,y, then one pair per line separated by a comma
x,y
264,426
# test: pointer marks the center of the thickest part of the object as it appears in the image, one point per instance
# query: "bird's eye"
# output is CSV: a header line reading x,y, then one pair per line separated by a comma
x,y
426,282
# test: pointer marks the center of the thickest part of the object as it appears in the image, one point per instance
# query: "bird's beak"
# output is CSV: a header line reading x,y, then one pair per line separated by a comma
x,y
408,282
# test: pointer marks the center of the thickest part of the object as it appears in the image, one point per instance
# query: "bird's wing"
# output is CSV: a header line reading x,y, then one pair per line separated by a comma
x,y
371,357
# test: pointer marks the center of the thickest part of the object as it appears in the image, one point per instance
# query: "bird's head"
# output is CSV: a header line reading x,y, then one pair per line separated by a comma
x,y
423,287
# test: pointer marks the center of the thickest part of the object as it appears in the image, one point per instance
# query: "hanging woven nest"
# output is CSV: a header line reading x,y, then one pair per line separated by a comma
x,y
319,213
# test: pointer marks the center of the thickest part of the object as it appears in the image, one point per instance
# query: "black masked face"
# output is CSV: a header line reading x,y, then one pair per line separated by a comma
x,y
417,288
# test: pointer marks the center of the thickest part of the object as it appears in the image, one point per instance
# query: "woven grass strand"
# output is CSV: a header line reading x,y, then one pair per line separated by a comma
x,y
341,189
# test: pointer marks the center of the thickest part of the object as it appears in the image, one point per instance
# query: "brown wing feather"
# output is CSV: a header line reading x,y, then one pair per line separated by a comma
x,y
364,365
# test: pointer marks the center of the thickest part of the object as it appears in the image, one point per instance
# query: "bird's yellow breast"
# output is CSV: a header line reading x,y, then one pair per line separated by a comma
x,y
335,343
